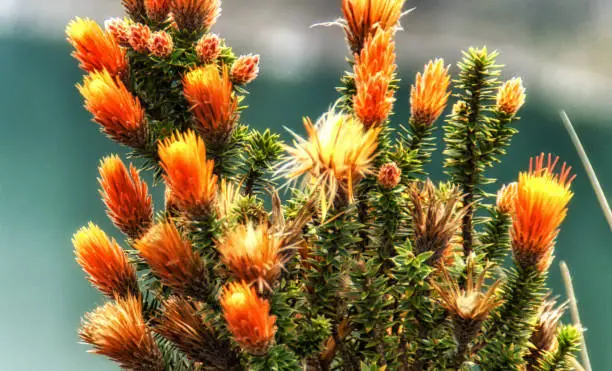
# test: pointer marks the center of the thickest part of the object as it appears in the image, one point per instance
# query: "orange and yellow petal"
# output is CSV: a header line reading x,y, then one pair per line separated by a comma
x,y
510,97
362,17
429,94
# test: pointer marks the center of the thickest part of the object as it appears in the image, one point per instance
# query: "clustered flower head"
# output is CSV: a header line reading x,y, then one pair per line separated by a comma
x,y
374,71
540,207
119,29
195,15
337,153
248,317
510,97
160,44
362,17
429,94
157,10
245,69
95,49
389,175
208,48
138,37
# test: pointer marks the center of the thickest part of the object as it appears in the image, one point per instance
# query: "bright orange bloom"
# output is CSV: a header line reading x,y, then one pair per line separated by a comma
x,y
160,44
187,172
157,10
506,198
539,209
248,317
95,49
118,331
336,156
429,94
511,96
138,37
119,29
105,263
208,48
195,15
173,260
252,253
364,16
115,109
126,197
213,102
245,69
374,71
389,175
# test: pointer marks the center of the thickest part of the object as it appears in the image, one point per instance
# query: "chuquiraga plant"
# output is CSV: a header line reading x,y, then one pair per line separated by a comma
x,y
366,265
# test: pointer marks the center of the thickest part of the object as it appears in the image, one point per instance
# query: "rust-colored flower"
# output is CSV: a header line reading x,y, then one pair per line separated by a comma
x,y
95,49
118,330
544,336
362,17
208,48
252,252
195,15
429,94
105,263
511,97
337,154
248,317
188,173
138,37
173,260
119,29
374,71
245,69
389,175
135,9
118,112
213,102
160,44
157,10
126,197
539,209
506,197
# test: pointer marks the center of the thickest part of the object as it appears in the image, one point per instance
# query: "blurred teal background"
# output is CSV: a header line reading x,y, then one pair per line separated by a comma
x,y
49,152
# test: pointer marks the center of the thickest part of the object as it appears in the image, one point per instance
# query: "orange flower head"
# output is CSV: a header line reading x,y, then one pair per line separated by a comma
x,y
540,207
138,37
252,253
126,197
119,29
506,197
362,17
248,317
389,175
213,103
118,330
245,69
135,8
337,154
115,109
173,260
157,10
195,15
95,49
208,48
160,44
105,264
511,97
188,174
429,94
374,72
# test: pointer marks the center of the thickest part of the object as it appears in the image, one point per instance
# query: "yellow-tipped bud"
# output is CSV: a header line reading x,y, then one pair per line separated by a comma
x,y
511,97
429,94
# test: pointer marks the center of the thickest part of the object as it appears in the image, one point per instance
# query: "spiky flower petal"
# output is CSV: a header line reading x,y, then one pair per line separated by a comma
x,y
135,8
544,336
95,49
248,318
195,15
229,194
126,197
510,97
429,94
363,16
118,331
208,48
245,69
157,10
160,44
506,197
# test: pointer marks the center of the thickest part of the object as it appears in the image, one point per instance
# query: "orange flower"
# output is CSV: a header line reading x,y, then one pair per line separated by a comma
x,y
539,209
511,97
118,331
173,260
187,172
213,103
126,197
208,48
157,10
115,109
363,16
252,254
374,71
195,15
135,8
248,318
245,69
95,49
160,44
104,262
389,175
429,94
138,37
119,29
506,197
